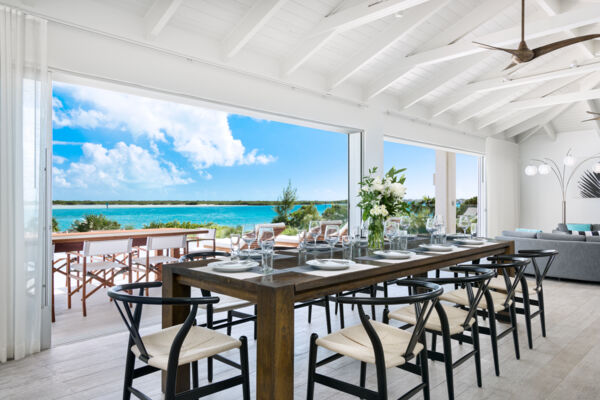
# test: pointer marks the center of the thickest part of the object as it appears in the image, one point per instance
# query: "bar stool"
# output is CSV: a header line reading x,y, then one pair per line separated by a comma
x,y
452,322
373,342
495,304
526,291
172,347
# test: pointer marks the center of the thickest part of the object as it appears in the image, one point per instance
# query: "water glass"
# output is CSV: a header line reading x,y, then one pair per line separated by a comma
x,y
235,246
474,229
346,247
267,256
430,226
403,240
463,222
301,240
332,235
390,230
441,235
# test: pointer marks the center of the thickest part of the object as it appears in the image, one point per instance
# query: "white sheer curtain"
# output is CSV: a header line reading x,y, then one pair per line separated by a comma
x,y
24,97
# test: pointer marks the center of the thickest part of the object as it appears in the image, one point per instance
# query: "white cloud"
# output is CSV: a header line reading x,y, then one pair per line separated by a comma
x,y
201,135
124,166
58,159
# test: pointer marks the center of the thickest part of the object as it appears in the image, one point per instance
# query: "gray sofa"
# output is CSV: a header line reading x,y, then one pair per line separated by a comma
x,y
578,259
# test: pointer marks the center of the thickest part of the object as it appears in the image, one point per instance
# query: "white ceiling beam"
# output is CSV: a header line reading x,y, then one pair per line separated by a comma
x,y
250,24
454,33
159,15
346,19
500,83
360,14
545,114
528,135
553,7
399,29
549,129
517,118
540,119
586,15
544,90
566,98
487,104
594,108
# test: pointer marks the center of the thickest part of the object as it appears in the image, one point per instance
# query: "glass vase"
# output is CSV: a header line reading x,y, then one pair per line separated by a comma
x,y
376,239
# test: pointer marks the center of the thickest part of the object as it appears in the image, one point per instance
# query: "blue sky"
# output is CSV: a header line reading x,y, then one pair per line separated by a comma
x,y
117,146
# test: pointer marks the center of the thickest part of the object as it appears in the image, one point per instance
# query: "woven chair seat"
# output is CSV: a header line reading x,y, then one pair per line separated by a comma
x,y
461,297
456,318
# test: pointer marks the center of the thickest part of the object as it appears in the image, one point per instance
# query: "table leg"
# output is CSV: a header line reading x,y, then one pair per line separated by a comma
x,y
174,315
275,346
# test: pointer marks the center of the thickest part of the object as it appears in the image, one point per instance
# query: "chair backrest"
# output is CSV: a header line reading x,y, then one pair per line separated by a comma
x,y
424,300
166,242
124,302
106,247
509,263
534,255
477,278
210,235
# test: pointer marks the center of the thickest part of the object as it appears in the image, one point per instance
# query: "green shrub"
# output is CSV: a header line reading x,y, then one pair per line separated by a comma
x,y
94,222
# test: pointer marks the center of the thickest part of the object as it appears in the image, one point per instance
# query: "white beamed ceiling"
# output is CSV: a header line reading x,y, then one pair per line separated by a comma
x,y
434,91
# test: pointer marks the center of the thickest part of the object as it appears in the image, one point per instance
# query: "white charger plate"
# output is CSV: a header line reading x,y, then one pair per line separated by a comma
x,y
330,264
233,266
436,247
394,254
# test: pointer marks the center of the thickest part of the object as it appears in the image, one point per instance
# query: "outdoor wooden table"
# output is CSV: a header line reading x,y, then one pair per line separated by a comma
x,y
275,296
73,241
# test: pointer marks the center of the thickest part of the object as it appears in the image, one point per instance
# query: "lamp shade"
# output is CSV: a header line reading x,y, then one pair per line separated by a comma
x,y
569,160
597,168
531,170
544,169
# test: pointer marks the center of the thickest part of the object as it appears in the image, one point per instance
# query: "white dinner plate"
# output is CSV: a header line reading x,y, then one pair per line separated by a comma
x,y
319,246
330,264
233,266
437,247
470,242
394,254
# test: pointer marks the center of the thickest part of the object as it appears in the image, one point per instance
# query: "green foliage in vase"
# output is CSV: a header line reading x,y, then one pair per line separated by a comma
x,y
383,197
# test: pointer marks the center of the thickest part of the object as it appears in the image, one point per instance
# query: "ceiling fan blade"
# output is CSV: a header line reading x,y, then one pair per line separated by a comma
x,y
487,46
513,64
591,119
540,51
592,112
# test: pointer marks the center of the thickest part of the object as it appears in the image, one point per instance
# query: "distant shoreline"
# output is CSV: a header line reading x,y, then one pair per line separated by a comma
x,y
171,203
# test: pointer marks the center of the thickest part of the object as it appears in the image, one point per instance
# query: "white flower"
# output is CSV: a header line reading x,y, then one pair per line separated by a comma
x,y
398,190
379,211
377,185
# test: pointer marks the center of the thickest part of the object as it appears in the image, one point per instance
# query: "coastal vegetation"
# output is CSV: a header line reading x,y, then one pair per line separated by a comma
x,y
94,222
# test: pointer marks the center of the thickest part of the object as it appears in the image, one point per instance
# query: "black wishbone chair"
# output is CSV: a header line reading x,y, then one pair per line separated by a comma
x,y
178,345
377,343
451,322
526,291
494,305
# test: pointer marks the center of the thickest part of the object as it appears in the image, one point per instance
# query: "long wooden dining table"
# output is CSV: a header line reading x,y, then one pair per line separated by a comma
x,y
275,295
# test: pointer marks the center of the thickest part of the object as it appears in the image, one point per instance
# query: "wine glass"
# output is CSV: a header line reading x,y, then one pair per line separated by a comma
x,y
390,230
314,228
474,230
404,222
347,246
235,246
430,226
265,234
332,236
248,235
463,222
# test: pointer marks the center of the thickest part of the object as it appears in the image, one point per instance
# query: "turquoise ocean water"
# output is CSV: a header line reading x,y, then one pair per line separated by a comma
x,y
137,216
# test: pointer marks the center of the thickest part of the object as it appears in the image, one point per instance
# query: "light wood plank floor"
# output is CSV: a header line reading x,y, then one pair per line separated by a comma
x,y
89,361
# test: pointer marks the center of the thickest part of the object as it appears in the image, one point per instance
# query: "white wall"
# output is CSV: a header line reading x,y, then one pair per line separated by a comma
x,y
502,186
540,195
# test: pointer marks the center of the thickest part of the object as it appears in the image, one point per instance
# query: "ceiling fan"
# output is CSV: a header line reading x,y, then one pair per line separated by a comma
x,y
523,54
596,118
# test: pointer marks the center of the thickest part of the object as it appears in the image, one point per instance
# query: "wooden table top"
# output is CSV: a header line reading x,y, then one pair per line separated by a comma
x,y
122,234
308,286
